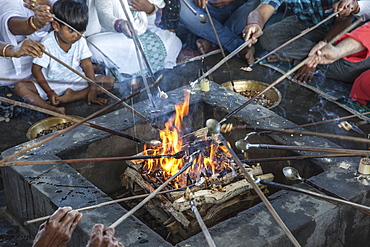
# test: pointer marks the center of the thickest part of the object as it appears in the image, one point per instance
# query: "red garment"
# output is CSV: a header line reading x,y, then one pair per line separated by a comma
x,y
360,91
361,34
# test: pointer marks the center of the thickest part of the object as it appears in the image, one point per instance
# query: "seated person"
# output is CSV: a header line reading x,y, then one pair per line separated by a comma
x,y
306,14
229,18
108,23
66,45
351,48
58,230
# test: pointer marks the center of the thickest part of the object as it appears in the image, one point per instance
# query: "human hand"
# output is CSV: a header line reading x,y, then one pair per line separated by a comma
x,y
201,3
92,97
141,5
125,29
323,53
54,98
42,14
304,74
252,31
346,7
103,238
58,229
27,47
221,3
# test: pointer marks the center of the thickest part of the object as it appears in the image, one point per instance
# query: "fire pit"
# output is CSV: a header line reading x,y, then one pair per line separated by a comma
x,y
314,222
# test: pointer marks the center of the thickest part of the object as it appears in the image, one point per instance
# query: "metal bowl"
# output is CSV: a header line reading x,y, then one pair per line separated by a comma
x,y
243,85
43,125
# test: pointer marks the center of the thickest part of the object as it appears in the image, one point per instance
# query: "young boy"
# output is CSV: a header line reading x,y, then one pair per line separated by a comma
x,y
65,44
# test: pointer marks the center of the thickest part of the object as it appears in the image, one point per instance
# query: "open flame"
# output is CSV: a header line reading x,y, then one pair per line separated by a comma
x,y
171,136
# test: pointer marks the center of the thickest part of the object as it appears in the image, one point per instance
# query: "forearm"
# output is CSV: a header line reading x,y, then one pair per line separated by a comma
x,y
339,25
349,46
40,79
20,26
88,68
261,15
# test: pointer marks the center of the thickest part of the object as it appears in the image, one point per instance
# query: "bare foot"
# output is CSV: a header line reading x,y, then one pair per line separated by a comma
x,y
60,110
275,58
247,54
203,45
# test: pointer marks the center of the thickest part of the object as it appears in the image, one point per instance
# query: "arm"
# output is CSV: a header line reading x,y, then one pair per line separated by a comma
x,y
339,25
39,76
25,26
256,21
93,93
346,7
330,53
27,47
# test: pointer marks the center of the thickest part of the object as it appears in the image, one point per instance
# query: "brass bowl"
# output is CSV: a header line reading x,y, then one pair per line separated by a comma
x,y
45,124
243,85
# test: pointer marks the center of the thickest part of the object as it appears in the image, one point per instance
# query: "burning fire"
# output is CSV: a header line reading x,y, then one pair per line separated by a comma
x,y
206,164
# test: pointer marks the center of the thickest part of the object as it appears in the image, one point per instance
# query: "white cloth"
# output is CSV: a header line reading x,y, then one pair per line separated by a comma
x,y
364,9
117,46
54,71
16,68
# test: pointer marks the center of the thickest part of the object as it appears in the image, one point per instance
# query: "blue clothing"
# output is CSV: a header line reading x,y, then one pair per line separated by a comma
x,y
228,21
309,11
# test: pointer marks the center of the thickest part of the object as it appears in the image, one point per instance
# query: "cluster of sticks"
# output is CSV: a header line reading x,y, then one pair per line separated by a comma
x,y
246,174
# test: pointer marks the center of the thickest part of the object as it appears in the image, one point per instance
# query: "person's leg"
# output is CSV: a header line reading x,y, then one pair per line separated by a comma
x,y
284,30
204,30
28,91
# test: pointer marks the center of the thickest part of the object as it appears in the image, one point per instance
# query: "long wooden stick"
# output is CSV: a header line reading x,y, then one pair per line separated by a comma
x,y
321,156
304,32
70,118
151,195
95,114
311,193
85,160
298,66
232,54
330,120
260,193
310,133
311,149
101,88
99,205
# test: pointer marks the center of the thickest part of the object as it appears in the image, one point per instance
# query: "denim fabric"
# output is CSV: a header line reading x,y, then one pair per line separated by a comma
x,y
229,22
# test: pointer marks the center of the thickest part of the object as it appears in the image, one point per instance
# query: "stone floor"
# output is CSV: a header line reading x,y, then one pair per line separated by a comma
x,y
299,105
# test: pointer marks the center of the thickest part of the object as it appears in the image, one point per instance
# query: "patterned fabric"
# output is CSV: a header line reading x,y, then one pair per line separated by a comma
x,y
154,50
309,11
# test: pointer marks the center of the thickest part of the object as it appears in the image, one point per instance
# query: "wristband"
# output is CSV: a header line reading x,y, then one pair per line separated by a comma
x,y
117,27
4,49
255,23
51,91
31,24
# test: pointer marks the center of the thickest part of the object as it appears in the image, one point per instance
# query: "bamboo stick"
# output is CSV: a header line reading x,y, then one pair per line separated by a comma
x,y
260,193
298,66
85,160
99,205
311,193
321,156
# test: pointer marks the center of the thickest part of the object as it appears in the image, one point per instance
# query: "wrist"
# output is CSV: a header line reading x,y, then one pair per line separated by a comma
x,y
255,23
117,25
153,11
31,24
50,92
7,50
